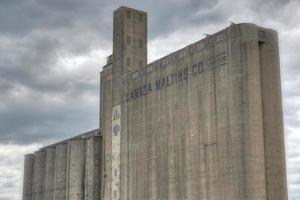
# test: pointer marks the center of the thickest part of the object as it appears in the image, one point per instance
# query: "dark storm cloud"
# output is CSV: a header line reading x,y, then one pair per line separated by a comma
x,y
38,100
22,17
32,83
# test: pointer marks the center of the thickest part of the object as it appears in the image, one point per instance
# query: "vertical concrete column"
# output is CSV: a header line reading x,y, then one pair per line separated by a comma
x,y
38,175
105,117
75,169
28,177
92,185
50,173
129,55
252,139
272,116
60,172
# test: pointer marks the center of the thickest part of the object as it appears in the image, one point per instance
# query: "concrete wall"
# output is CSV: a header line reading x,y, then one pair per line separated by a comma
x,y
38,175
129,54
60,172
272,118
75,169
50,173
105,124
92,173
198,123
28,177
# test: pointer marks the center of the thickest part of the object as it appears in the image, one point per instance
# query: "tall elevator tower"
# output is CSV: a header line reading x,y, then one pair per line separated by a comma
x,y
129,55
204,122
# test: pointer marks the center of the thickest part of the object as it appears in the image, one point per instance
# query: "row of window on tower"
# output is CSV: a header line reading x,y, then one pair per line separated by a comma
x,y
128,41
131,15
128,62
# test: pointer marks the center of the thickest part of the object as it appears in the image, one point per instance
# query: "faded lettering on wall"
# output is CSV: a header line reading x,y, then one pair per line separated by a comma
x,y
178,76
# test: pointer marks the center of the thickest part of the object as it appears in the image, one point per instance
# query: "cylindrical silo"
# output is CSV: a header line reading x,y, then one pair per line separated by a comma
x,y
75,169
92,186
60,171
38,175
50,173
28,177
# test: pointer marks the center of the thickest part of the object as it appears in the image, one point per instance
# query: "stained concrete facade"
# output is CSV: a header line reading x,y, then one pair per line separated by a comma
x,y
67,170
60,180
38,179
50,173
28,177
203,123
93,152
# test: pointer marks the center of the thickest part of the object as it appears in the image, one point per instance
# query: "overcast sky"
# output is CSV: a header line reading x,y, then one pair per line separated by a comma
x,y
51,53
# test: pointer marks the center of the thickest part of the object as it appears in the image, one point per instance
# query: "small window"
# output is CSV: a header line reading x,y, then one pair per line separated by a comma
x,y
128,61
140,18
128,15
200,67
128,40
141,63
262,36
140,43
222,59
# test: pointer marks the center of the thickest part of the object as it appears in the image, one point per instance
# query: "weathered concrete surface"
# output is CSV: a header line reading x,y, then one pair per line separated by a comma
x,y
92,185
38,192
198,123
28,177
105,115
60,172
50,173
75,169
272,118
69,169
129,54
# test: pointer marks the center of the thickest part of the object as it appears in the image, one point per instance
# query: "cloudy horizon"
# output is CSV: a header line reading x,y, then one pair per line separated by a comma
x,y
52,52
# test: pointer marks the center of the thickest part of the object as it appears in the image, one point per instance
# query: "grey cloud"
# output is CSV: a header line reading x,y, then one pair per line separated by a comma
x,y
34,118
29,68
29,83
23,17
11,164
